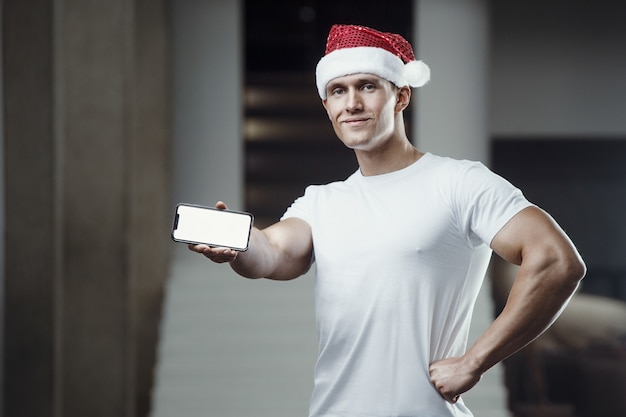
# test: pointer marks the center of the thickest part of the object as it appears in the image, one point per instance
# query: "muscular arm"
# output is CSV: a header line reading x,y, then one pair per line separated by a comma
x,y
281,251
550,271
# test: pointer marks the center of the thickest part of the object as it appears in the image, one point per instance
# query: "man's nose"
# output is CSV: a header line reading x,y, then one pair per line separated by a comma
x,y
353,102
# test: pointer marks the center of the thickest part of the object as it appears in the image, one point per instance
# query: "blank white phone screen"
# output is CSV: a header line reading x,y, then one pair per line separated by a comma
x,y
195,224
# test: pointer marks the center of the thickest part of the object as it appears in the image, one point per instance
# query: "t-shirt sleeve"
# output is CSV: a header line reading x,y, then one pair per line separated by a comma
x,y
301,207
486,202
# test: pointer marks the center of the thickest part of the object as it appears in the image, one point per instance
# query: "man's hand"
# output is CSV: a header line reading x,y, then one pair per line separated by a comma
x,y
451,377
219,255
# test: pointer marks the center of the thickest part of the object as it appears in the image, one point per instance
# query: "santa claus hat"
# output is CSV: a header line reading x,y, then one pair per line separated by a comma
x,y
353,49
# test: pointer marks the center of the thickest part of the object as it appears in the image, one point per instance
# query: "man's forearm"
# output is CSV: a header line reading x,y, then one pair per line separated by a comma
x,y
282,252
534,303
259,261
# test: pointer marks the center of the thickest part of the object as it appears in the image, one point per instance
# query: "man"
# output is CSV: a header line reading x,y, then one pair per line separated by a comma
x,y
401,248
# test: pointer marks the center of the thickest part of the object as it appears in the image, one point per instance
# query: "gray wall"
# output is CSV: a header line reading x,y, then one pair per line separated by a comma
x,y
558,69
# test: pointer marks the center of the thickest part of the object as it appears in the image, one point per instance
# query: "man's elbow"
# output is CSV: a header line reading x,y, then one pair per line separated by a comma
x,y
580,270
574,268
564,265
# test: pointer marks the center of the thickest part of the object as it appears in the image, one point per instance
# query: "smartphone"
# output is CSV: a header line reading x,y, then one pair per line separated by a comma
x,y
211,226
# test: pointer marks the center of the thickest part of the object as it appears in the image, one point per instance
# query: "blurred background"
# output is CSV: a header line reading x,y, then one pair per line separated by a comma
x,y
115,111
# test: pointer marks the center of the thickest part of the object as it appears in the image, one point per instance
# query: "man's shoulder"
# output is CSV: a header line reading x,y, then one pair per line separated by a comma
x,y
451,162
448,167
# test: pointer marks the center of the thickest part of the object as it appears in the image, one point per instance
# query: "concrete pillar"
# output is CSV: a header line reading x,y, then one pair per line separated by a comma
x,y
30,235
87,204
207,106
452,37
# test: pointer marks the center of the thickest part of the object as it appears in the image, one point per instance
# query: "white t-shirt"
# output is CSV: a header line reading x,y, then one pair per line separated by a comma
x,y
400,259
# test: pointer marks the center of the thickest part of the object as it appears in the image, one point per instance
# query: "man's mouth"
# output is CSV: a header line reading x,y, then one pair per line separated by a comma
x,y
356,121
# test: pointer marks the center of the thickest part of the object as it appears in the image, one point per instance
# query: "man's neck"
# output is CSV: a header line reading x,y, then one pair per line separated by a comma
x,y
397,156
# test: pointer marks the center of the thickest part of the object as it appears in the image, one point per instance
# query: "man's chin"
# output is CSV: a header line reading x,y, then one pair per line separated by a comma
x,y
358,144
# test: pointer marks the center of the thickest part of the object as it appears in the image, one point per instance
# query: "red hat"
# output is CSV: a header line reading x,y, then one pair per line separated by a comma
x,y
352,49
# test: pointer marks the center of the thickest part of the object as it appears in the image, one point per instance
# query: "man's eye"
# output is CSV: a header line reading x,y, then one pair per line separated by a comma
x,y
369,87
337,91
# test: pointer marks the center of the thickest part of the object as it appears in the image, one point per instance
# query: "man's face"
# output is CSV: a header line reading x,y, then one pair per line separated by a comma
x,y
362,110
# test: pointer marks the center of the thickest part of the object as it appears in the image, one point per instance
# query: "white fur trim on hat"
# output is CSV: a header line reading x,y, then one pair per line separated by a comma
x,y
369,60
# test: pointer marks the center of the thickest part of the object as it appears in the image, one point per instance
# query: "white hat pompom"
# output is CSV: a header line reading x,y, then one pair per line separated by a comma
x,y
416,73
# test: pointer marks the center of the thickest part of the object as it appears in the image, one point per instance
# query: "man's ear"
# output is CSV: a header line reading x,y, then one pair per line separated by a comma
x,y
404,98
